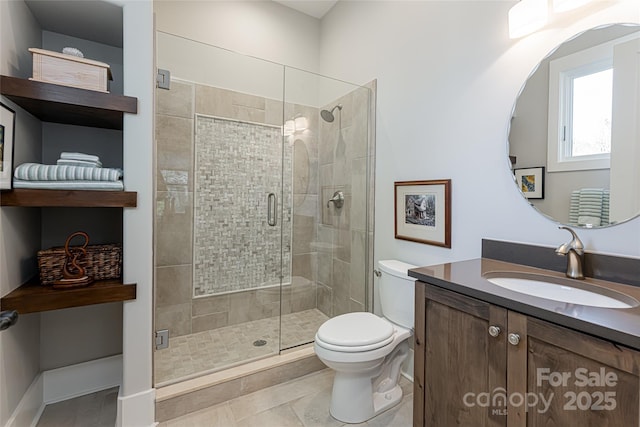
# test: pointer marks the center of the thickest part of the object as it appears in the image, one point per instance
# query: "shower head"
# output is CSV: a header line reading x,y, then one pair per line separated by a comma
x,y
328,116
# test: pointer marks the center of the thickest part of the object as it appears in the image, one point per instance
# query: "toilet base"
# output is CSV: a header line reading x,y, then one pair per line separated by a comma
x,y
343,409
384,401
358,397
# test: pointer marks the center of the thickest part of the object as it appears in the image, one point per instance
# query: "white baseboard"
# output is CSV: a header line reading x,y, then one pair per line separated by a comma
x,y
137,409
83,378
65,383
28,411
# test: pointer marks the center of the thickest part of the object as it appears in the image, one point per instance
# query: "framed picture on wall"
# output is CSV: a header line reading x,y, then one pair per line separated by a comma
x,y
423,211
7,124
531,182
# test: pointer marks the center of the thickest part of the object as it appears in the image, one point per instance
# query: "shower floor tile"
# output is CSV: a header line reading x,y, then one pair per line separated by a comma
x,y
208,351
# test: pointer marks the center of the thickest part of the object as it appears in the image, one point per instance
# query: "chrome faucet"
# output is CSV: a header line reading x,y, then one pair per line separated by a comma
x,y
574,251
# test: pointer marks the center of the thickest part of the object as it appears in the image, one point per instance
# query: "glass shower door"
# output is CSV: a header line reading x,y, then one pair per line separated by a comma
x,y
329,134
222,209
252,251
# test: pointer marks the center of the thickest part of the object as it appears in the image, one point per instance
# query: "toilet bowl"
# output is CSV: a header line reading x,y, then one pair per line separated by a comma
x,y
366,351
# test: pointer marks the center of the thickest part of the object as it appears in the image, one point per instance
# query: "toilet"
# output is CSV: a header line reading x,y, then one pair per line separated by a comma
x,y
367,351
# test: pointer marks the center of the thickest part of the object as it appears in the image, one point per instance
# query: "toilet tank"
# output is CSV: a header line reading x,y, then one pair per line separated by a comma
x,y
397,292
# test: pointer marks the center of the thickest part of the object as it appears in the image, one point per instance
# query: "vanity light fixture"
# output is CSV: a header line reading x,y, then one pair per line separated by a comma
x,y
566,5
526,17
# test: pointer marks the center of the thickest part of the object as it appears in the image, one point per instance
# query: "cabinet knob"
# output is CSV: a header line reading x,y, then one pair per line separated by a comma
x,y
514,339
494,331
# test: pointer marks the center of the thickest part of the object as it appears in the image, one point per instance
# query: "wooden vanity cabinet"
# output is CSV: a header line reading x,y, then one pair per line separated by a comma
x,y
455,355
531,373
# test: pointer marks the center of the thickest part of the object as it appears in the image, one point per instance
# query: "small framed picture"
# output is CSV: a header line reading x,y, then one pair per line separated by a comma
x,y
423,211
7,124
531,182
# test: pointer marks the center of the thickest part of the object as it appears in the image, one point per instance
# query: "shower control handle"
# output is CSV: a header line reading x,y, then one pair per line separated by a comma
x,y
337,199
272,210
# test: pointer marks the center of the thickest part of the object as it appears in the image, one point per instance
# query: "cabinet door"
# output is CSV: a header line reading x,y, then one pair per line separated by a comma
x,y
460,367
585,381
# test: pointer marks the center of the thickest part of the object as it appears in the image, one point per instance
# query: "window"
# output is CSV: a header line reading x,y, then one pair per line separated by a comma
x,y
580,105
588,128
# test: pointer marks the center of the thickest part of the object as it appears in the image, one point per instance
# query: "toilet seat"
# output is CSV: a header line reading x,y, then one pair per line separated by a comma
x,y
355,332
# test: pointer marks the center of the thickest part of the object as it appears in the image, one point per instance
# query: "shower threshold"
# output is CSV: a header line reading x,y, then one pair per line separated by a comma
x,y
192,395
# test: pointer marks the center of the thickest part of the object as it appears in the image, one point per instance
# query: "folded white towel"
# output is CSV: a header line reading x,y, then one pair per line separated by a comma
x,y
65,162
79,156
38,172
70,185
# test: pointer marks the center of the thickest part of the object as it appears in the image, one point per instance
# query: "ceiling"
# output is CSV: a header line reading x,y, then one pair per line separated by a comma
x,y
97,21
315,8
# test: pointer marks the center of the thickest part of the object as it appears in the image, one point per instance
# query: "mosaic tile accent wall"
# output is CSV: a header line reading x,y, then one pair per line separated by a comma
x,y
237,164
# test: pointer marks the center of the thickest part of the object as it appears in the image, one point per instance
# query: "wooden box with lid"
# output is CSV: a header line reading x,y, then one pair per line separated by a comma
x,y
69,70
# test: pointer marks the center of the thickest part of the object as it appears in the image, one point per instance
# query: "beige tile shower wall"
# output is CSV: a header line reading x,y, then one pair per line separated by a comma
x,y
176,309
302,293
345,157
174,207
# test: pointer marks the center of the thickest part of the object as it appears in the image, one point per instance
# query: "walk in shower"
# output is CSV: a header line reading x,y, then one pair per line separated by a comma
x,y
263,219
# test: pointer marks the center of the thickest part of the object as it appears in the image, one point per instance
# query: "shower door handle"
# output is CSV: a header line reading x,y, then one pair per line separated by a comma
x,y
272,210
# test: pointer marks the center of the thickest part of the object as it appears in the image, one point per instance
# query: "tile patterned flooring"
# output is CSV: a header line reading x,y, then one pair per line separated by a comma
x,y
208,351
91,410
303,402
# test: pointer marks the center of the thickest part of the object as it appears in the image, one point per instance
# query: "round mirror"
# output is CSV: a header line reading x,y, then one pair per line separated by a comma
x,y
574,139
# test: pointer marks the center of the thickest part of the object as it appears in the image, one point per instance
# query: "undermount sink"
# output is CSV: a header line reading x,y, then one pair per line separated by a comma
x,y
561,289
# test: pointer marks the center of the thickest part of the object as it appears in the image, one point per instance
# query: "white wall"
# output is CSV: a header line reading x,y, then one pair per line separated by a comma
x,y
208,65
137,396
19,227
625,173
448,76
263,29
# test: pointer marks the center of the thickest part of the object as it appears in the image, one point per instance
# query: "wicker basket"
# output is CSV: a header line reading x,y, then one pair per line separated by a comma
x,y
102,262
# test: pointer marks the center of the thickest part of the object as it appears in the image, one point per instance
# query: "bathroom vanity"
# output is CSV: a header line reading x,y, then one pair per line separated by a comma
x,y
507,339
486,355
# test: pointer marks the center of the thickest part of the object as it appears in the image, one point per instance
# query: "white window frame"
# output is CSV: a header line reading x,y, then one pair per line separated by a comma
x,y
562,71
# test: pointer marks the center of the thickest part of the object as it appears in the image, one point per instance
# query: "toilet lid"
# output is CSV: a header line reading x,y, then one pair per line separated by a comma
x,y
355,330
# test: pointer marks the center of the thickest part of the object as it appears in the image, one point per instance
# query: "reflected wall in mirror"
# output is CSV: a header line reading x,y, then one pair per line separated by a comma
x,y
577,114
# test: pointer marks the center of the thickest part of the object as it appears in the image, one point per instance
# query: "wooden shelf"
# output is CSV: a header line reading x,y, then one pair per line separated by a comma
x,y
69,198
32,297
68,105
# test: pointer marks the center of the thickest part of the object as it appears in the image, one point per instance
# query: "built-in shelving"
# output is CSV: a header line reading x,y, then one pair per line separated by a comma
x,y
68,105
32,297
69,198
